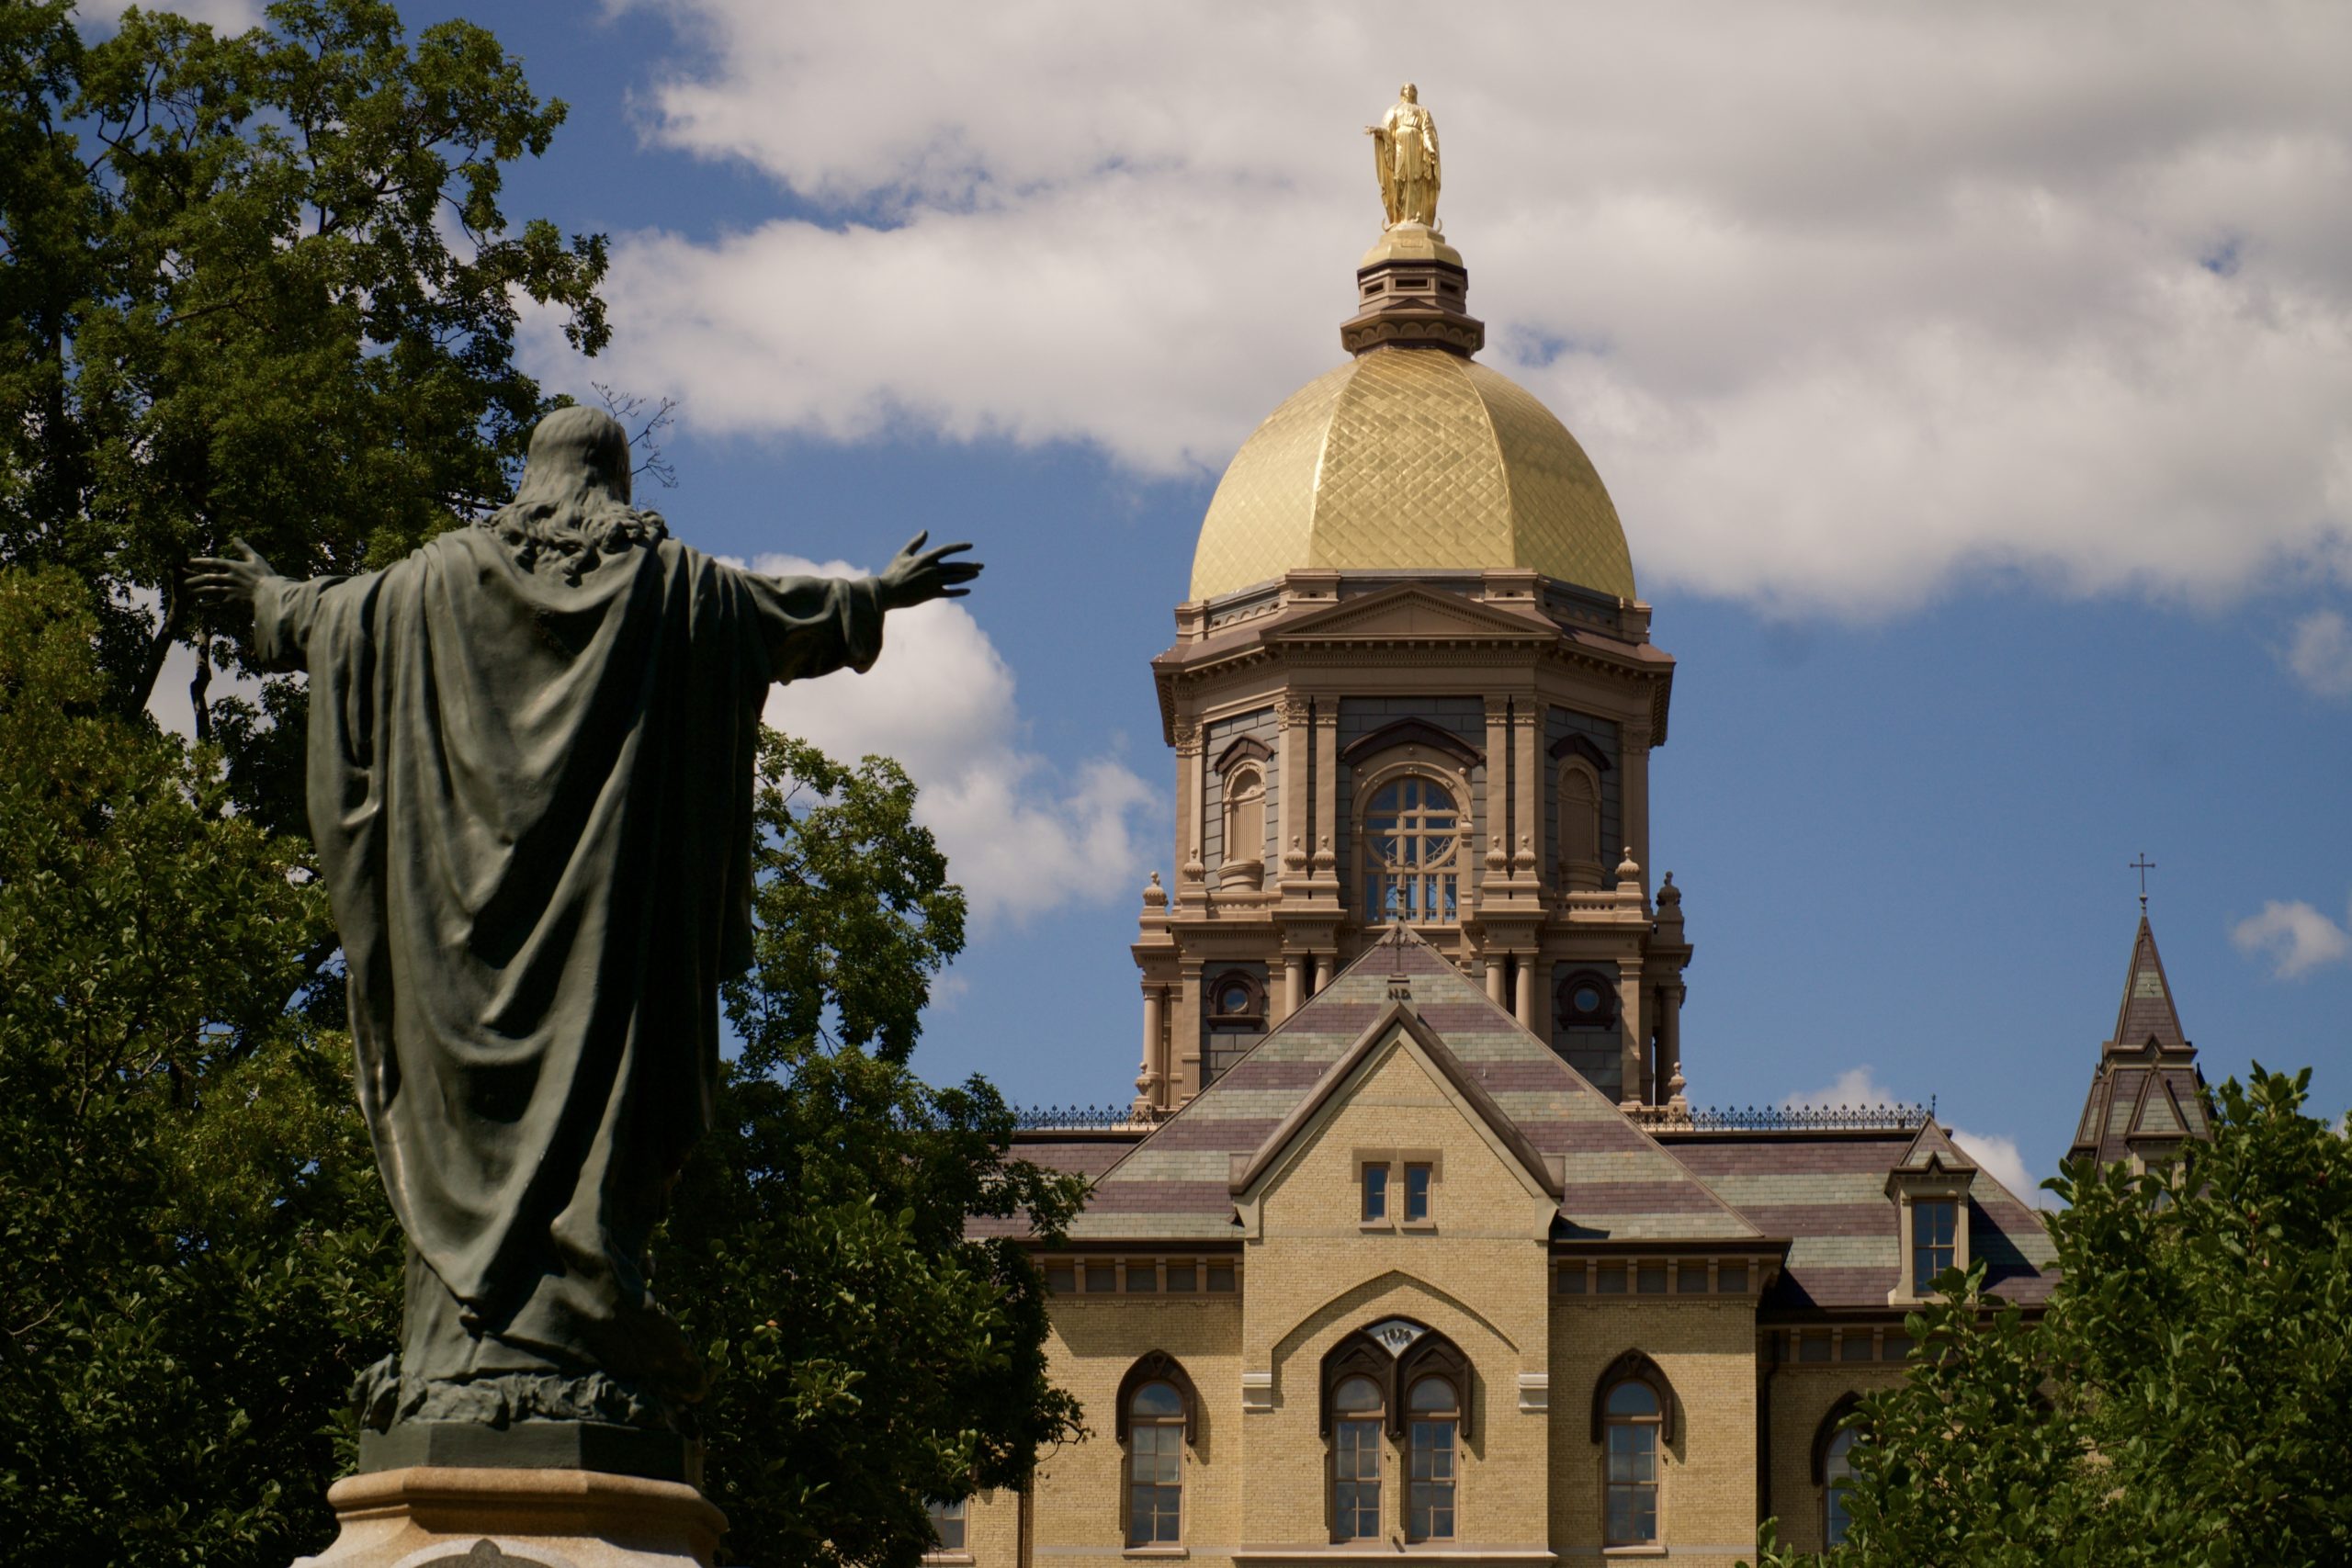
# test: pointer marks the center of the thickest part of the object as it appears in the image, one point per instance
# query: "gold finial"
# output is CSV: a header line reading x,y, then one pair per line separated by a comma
x,y
1404,148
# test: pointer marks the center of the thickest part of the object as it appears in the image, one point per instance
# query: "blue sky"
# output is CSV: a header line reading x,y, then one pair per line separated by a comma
x,y
1976,384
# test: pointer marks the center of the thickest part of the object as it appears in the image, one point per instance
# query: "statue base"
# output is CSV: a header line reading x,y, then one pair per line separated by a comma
x,y
534,1445
443,1517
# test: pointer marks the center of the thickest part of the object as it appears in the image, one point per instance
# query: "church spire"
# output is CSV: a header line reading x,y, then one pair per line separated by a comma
x,y
2147,1094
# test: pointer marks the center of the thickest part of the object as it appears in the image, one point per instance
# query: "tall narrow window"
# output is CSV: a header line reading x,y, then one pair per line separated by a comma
x,y
1933,1228
1412,837
1356,1409
1630,1426
1376,1193
1580,864
1417,1192
1155,1466
947,1523
1435,1420
1245,814
1837,1476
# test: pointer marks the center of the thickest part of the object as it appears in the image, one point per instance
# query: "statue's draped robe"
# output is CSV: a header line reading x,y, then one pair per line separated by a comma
x,y
532,801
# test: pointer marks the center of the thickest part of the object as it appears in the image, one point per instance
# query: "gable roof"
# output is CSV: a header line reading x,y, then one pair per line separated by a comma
x,y
1399,1018
1614,1181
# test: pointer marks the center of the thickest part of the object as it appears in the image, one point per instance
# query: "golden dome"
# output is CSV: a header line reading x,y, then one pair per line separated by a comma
x,y
1411,459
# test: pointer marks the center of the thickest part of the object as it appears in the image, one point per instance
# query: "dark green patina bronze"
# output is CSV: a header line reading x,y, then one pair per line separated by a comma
x,y
530,777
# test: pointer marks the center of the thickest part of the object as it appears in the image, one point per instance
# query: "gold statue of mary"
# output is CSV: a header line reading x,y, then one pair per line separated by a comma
x,y
1405,151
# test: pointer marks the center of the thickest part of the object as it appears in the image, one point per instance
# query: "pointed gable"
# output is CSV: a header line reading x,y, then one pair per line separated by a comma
x,y
1932,1149
2147,1012
2146,1080
1613,1179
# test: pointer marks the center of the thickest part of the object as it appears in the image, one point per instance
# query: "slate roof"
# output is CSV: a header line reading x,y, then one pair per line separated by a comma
x,y
1616,1181
2146,1088
1826,1191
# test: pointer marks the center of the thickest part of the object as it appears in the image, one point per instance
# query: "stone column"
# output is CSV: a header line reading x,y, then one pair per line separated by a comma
x,y
1634,1087
1525,1009
1151,1084
1526,740
1293,983
1636,787
1185,1042
1496,829
1292,739
1190,790
1495,980
1328,804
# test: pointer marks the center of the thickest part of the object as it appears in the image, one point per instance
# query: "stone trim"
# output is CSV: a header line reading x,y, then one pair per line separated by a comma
x,y
1635,1365
1158,1366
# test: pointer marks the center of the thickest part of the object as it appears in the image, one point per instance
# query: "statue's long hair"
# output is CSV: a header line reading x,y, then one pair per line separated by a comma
x,y
573,505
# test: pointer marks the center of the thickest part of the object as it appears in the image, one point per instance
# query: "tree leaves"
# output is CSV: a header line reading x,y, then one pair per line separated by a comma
x,y
2185,1400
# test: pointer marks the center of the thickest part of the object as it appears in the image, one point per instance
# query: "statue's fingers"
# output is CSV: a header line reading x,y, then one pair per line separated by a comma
x,y
955,594
943,551
959,570
915,544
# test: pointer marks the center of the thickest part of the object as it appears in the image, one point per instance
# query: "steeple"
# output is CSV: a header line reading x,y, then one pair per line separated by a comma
x,y
2147,1094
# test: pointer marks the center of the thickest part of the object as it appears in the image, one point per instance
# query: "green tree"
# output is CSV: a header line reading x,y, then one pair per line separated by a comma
x,y
868,1354
194,1256
2186,1399
259,285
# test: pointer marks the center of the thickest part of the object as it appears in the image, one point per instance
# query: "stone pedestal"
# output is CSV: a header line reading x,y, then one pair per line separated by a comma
x,y
443,1517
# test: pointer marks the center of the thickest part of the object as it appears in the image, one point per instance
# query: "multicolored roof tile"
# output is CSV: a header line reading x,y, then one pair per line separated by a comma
x,y
2146,1093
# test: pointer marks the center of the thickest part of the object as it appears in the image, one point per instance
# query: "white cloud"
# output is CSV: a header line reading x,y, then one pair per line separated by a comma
x,y
2319,654
1022,837
225,15
2295,937
2001,1160
1844,302
1856,1087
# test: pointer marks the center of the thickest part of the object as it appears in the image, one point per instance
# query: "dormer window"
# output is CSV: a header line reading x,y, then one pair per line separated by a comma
x,y
1934,1232
1930,1192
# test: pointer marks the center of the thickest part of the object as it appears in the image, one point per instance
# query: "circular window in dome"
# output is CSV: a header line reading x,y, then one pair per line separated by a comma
x,y
1236,997
1587,1001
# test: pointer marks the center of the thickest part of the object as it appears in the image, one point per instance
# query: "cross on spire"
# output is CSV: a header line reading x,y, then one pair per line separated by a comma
x,y
2143,866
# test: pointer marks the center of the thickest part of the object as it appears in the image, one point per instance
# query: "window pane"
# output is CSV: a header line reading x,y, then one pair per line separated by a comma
x,y
1633,1398
1854,1347
1143,1277
1417,1192
1431,1393
1813,1346
1734,1276
1356,1394
1689,1278
947,1523
1650,1279
1612,1279
1376,1193
1061,1277
1101,1277
1355,1475
1220,1276
1572,1279
1183,1277
1157,1399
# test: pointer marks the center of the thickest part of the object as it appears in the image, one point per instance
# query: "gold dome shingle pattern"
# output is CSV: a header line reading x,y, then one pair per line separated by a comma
x,y
1411,459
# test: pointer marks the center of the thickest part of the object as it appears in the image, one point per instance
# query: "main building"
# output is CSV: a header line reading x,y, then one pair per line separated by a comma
x,y
1411,1243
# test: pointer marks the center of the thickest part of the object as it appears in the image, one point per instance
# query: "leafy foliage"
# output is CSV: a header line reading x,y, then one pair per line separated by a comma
x,y
868,1353
197,1257
259,285
2188,1397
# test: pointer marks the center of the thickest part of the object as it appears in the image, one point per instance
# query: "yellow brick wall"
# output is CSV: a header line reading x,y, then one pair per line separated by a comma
x,y
1707,1346
1802,1395
1081,1486
1314,1275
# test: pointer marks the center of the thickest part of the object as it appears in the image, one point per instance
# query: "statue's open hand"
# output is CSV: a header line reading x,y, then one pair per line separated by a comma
x,y
919,574
233,579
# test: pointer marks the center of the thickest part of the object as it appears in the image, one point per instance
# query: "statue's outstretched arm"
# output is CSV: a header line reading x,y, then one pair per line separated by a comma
x,y
917,574
282,607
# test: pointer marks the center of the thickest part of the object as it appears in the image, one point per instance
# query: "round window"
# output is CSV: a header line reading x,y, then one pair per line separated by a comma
x,y
1587,998
1233,999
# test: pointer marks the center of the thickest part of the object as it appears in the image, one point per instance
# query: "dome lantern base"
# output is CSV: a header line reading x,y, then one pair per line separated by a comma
x,y
1411,291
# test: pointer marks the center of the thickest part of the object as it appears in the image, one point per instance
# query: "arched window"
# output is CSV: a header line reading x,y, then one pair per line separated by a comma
x,y
1580,863
1433,1423
1412,844
1159,1416
1838,1474
1154,1465
1630,1423
1245,814
1357,1408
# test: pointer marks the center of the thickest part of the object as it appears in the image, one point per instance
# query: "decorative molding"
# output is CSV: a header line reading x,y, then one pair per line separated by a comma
x,y
1534,1393
1244,749
1637,1366
1412,732
1188,739
1257,1392
1576,744
1158,1366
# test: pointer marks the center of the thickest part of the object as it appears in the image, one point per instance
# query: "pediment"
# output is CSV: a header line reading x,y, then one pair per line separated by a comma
x,y
1409,611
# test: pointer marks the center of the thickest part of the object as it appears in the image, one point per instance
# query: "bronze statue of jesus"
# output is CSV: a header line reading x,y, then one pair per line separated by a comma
x,y
530,784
